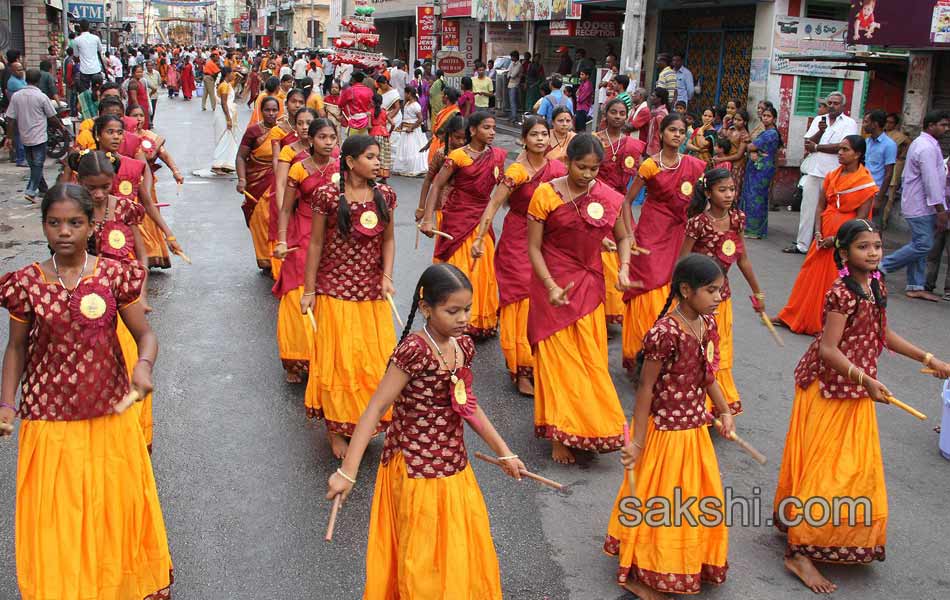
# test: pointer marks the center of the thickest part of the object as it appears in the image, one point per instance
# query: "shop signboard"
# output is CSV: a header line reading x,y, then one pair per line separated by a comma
x,y
451,34
914,24
794,35
597,26
425,31
458,8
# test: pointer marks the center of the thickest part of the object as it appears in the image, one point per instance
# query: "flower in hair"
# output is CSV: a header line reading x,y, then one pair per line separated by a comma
x,y
844,271
84,152
876,275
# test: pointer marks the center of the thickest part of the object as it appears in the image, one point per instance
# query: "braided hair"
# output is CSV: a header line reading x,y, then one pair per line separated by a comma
x,y
455,124
94,162
354,147
846,235
701,191
694,270
434,286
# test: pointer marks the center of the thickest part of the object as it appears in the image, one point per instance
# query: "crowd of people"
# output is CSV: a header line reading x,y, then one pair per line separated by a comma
x,y
571,261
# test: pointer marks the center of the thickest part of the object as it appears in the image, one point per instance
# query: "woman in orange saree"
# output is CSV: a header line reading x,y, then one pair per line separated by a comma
x,y
473,171
450,98
848,194
256,178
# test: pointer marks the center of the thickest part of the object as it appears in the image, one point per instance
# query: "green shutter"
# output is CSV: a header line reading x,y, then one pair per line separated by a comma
x,y
809,90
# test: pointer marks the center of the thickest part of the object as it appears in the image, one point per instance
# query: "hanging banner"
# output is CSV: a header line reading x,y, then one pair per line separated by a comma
x,y
458,8
425,32
794,35
916,24
450,34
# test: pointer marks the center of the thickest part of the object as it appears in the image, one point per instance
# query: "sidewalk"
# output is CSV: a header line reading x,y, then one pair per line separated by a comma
x,y
19,219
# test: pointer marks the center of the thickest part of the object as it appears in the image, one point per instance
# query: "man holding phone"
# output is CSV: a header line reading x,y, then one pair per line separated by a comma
x,y
823,137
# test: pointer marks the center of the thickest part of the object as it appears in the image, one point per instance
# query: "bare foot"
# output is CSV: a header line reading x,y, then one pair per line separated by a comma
x,y
643,592
778,322
561,453
525,386
923,295
805,570
339,444
292,377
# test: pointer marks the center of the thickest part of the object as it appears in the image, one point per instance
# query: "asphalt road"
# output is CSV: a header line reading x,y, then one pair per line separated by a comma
x,y
242,474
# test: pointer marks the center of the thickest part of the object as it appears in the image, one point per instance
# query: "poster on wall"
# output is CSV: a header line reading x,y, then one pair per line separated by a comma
x,y
458,8
450,35
514,10
915,24
796,36
425,31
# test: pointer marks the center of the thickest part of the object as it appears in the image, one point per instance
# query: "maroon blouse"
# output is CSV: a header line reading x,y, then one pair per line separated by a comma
x,y
724,247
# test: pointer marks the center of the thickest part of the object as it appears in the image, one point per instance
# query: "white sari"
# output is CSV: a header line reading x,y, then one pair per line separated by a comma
x,y
407,159
226,142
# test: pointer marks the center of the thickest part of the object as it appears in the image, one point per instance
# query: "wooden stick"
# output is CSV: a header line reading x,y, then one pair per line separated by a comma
x,y
443,234
758,456
163,205
638,250
910,409
628,473
313,321
333,512
250,197
131,398
524,472
392,305
184,257
929,371
417,238
772,330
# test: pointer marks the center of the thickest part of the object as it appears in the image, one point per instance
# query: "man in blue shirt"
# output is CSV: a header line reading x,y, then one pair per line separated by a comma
x,y
684,80
880,156
553,100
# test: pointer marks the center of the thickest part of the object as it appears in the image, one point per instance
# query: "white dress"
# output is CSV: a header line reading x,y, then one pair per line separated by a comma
x,y
226,142
408,160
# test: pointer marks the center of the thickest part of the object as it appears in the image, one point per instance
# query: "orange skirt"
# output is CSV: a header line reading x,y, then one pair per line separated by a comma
x,y
575,401
260,220
673,558
724,374
481,273
155,244
295,340
429,538
143,409
513,333
614,303
802,313
88,520
356,341
639,316
275,263
832,451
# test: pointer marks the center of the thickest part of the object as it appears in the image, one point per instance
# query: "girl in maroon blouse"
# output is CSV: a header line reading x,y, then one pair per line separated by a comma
x,y
715,229
77,452
429,534
832,449
671,451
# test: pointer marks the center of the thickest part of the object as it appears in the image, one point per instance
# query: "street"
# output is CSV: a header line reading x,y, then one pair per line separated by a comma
x,y
242,474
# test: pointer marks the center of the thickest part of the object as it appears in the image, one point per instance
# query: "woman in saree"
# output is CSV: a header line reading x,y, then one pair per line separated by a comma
x,y
271,90
561,133
848,193
450,98
575,402
225,125
699,145
760,170
136,90
669,178
473,171
256,178
187,79
738,136
521,179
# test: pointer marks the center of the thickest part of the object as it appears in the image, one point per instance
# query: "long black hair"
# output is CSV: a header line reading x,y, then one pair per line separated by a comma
x,y
474,120
696,271
453,125
701,191
306,86
857,144
353,147
90,164
846,235
452,94
434,286
583,144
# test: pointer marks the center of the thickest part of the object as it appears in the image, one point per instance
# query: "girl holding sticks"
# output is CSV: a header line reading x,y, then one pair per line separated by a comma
x,y
833,427
669,178
518,185
347,280
429,534
454,134
473,171
315,169
575,402
88,519
671,451
715,229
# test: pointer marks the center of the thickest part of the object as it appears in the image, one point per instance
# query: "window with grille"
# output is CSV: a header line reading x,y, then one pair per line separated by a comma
x,y
827,9
810,89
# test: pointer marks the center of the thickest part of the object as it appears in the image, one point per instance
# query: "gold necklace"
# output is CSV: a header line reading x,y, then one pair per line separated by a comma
x,y
702,332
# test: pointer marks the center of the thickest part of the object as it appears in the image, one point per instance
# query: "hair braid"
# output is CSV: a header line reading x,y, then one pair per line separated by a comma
x,y
343,210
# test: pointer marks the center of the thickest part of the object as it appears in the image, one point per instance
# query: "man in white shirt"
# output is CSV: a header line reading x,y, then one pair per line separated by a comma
x,y
399,78
88,48
115,67
300,71
29,115
822,140
514,85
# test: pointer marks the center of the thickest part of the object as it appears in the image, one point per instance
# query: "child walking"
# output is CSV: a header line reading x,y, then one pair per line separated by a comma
x,y
429,534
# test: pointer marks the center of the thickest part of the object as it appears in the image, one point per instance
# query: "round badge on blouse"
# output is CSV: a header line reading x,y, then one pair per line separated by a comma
x,y
369,219
497,171
629,162
461,396
686,188
728,247
595,210
335,178
125,188
710,352
92,306
116,239
147,144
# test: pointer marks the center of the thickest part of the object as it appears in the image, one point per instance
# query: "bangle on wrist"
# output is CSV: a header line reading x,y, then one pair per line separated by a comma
x,y
759,295
345,476
850,372
171,238
508,457
10,406
927,358
309,294
151,362
861,378
389,277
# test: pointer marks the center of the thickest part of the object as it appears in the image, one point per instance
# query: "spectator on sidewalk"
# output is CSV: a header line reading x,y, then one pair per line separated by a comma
x,y
638,124
153,79
556,98
880,157
399,79
210,72
47,80
822,139
582,62
482,87
605,83
923,204
28,116
566,65
299,71
667,77
15,84
585,101
684,80
893,129
114,67
70,69
939,252
514,86
92,60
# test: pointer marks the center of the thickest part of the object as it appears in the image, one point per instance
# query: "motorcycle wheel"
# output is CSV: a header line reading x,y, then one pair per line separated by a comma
x,y
57,145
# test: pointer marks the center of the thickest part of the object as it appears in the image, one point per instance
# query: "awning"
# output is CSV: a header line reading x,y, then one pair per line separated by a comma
x,y
851,58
